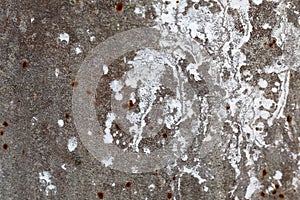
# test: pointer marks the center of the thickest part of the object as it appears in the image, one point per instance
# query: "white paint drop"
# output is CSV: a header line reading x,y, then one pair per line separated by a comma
x,y
72,144
78,50
262,83
56,72
105,69
64,37
278,175
60,123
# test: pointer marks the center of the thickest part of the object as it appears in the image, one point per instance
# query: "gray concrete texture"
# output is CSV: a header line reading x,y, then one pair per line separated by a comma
x,y
178,99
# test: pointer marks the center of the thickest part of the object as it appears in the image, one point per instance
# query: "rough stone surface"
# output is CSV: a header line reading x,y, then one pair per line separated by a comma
x,y
240,57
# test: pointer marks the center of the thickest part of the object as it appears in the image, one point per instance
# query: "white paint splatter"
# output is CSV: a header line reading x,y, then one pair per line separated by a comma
x,y
72,144
107,162
45,180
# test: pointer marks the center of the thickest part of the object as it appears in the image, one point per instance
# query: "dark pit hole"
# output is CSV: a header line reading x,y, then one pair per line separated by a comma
x,y
281,196
5,146
100,195
128,184
120,7
5,124
74,84
1,132
264,172
25,64
262,194
289,118
169,195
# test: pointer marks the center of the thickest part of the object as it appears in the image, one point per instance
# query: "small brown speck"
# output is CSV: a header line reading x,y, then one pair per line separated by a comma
x,y
74,84
289,118
128,184
88,91
25,64
100,195
169,195
281,196
164,135
264,172
7,20
262,194
1,132
274,191
23,152
120,7
276,185
130,104
5,124
67,116
118,127
5,146
272,43
227,107
177,1
174,178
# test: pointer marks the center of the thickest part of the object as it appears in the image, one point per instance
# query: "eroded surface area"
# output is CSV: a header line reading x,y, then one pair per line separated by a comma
x,y
226,72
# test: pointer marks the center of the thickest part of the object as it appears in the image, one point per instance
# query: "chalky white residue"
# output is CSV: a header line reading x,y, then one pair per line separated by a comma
x,y
252,187
45,180
72,144
64,37
193,172
117,86
108,137
107,162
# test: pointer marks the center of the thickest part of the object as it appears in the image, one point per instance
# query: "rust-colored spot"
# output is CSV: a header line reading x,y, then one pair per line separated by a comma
x,y
1,132
164,135
264,172
120,7
262,194
67,116
25,64
272,43
23,152
227,107
128,184
5,124
118,127
74,84
130,104
169,195
289,118
19,20
88,91
276,185
291,75
281,196
5,146
174,178
43,80
7,20
177,1
274,191
100,195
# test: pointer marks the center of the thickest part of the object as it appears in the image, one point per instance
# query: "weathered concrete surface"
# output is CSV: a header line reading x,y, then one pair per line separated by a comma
x,y
245,59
